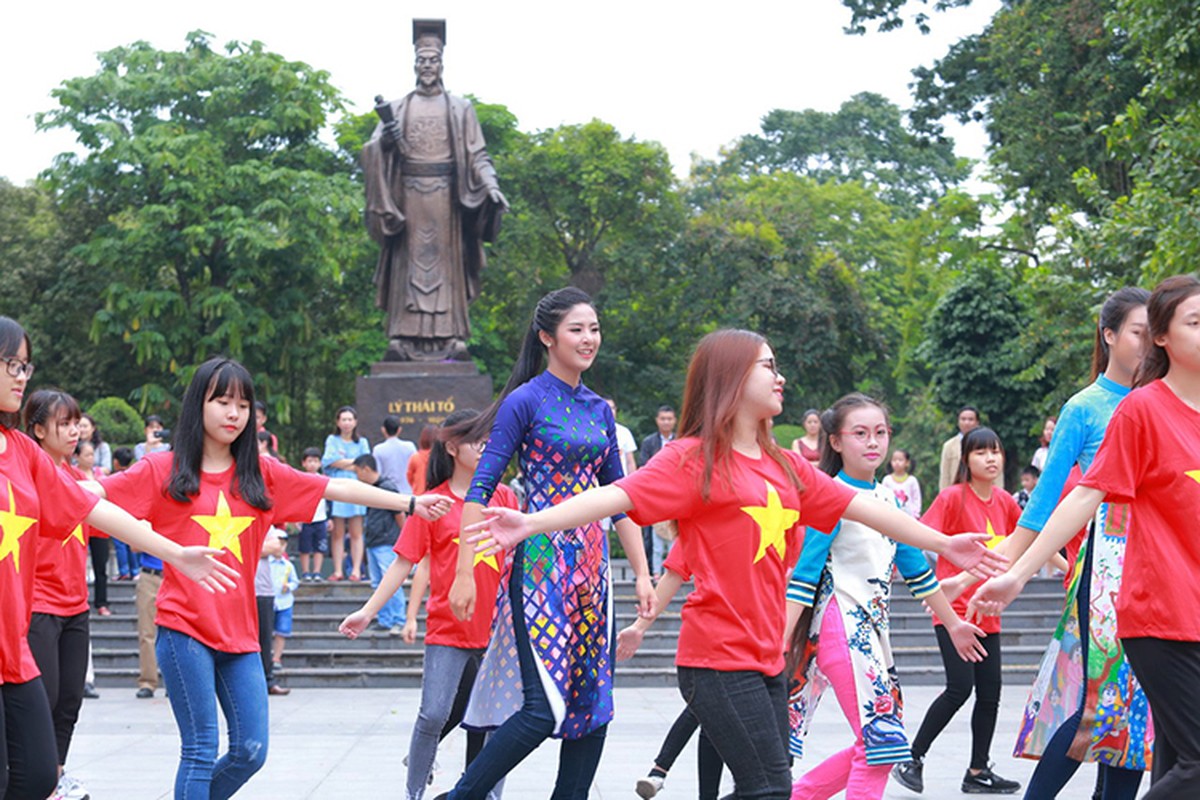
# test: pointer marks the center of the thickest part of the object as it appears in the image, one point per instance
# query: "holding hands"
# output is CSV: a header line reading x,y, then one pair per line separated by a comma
x,y
431,506
969,552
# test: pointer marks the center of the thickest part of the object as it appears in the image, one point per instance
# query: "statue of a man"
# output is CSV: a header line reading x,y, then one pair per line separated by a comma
x,y
432,201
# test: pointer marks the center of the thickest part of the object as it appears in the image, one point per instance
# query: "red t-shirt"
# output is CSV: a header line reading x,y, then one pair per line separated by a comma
x,y
216,517
741,546
958,509
439,540
1150,459
36,500
60,583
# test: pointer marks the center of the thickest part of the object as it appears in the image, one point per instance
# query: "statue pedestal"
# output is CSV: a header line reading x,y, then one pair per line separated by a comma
x,y
418,393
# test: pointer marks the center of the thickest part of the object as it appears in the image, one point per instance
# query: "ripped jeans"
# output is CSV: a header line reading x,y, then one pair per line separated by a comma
x,y
197,678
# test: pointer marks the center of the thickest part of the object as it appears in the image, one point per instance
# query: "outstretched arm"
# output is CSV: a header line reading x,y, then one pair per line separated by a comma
x,y
389,584
502,528
345,490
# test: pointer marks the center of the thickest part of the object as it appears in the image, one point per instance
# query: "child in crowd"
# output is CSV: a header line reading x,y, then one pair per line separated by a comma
x,y
381,529
1029,479
903,484
285,581
314,535
453,647
839,593
971,503
274,545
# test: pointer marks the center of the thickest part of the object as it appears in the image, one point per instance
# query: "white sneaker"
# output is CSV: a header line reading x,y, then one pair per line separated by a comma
x,y
69,789
649,786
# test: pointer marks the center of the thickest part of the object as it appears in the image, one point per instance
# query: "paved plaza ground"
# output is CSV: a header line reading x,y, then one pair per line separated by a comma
x,y
348,743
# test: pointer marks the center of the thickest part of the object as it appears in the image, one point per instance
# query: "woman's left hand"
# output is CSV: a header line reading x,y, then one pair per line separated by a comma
x,y
432,506
969,552
200,564
500,529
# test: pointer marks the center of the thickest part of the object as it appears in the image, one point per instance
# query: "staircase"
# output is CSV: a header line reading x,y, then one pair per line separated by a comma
x,y
318,656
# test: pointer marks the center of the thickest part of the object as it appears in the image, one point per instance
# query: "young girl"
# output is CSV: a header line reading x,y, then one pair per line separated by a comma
x,y
452,646
58,631
845,578
903,483
1148,460
1085,654
37,499
740,503
971,503
213,488
341,448
1039,456
809,445
90,433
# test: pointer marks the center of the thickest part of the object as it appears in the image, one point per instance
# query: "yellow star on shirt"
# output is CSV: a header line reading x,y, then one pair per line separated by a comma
x,y
483,558
14,527
991,543
774,521
224,529
75,534
1194,474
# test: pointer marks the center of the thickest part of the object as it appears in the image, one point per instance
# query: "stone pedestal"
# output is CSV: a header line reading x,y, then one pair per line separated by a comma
x,y
418,394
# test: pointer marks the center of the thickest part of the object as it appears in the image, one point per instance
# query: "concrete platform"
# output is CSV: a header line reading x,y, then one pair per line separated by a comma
x,y
330,744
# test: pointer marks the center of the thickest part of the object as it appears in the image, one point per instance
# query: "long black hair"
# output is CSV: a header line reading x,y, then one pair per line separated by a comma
x,y
97,438
45,406
832,421
1112,316
976,439
440,467
11,336
547,316
216,377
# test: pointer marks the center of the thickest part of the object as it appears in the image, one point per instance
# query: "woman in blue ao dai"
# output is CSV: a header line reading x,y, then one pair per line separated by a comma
x,y
554,610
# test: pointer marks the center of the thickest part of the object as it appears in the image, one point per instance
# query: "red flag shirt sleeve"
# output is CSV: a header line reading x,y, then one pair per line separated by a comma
x,y
36,501
740,544
294,494
440,541
60,582
1150,460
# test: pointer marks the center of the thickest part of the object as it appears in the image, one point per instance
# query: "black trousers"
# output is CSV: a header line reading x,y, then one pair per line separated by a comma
x,y
708,761
963,677
28,768
266,631
1169,672
60,648
98,546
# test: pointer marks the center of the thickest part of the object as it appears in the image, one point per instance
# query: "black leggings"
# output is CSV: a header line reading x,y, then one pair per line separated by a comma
x,y
98,545
60,648
708,760
1169,672
28,769
961,678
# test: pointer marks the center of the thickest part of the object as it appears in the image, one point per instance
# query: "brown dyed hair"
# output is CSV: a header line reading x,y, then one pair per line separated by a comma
x,y
716,378
1160,309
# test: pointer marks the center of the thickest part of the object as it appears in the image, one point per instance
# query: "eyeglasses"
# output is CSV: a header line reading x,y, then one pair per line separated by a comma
x,y
16,367
863,435
769,363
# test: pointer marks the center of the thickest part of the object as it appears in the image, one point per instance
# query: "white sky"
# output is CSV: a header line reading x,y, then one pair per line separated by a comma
x,y
693,76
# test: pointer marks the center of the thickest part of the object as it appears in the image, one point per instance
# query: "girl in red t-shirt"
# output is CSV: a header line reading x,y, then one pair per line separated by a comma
x,y
971,503
38,500
453,647
1150,460
58,631
740,502
212,487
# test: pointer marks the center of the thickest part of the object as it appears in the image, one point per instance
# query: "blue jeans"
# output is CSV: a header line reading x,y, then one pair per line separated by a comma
x,y
378,560
128,562
197,678
745,715
521,733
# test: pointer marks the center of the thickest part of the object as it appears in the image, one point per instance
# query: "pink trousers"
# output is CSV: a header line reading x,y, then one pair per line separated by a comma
x,y
847,770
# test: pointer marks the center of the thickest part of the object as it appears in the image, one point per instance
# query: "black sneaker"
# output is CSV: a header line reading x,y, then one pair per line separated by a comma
x,y
988,782
909,775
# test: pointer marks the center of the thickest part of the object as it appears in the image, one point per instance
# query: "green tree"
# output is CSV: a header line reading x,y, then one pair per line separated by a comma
x,y
865,140
223,224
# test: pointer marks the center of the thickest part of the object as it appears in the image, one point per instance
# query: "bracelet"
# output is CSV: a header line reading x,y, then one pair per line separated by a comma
x,y
412,504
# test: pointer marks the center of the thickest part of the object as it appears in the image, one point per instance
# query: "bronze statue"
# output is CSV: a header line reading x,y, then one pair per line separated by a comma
x,y
432,201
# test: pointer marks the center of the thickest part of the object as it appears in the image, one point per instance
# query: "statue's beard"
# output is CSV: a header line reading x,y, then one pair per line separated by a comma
x,y
433,88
